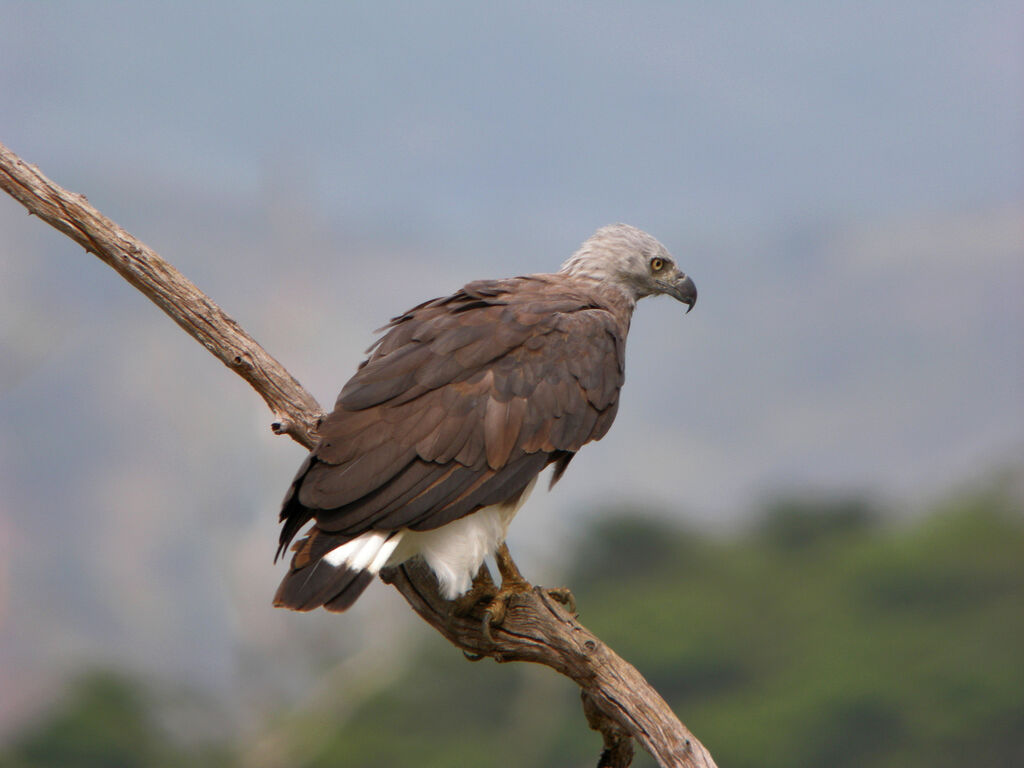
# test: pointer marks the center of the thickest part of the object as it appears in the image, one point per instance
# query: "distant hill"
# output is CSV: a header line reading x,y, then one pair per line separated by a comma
x,y
818,637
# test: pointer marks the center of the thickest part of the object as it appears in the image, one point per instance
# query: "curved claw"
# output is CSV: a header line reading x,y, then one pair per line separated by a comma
x,y
493,615
564,596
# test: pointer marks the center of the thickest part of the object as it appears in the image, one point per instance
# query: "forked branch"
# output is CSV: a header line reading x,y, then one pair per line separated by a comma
x,y
617,700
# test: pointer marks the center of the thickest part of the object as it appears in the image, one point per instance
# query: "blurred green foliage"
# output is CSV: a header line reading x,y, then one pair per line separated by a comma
x,y
818,637
104,720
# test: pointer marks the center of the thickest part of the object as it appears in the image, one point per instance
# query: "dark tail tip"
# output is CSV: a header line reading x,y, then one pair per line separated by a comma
x,y
321,584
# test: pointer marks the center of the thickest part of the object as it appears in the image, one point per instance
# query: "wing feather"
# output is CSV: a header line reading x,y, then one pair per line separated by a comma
x,y
459,405
503,421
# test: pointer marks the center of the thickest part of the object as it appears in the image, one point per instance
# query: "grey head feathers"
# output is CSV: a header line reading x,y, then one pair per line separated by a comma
x,y
631,260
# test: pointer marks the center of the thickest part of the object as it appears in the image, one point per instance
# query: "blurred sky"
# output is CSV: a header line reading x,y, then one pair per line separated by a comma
x,y
843,182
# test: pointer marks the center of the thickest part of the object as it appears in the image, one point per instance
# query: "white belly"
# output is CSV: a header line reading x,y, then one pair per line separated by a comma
x,y
456,551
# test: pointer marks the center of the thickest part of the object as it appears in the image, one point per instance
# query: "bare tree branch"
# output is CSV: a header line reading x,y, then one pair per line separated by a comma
x,y
617,701
295,410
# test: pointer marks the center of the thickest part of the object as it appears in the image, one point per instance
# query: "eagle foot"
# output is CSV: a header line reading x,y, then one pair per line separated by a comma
x,y
494,614
513,583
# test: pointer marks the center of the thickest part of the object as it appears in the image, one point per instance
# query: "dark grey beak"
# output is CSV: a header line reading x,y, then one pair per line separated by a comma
x,y
684,290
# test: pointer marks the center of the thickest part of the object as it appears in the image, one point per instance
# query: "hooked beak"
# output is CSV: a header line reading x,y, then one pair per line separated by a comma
x,y
683,289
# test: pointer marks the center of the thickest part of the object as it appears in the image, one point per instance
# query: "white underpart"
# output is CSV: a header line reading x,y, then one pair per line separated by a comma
x,y
454,551
367,552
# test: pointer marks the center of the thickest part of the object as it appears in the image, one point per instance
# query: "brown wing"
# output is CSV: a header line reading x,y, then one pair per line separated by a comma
x,y
460,405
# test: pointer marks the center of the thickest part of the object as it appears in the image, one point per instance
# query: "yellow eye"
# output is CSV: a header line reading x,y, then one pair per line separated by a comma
x,y
657,264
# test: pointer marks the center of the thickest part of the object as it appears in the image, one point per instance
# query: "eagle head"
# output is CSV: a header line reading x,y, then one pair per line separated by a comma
x,y
633,260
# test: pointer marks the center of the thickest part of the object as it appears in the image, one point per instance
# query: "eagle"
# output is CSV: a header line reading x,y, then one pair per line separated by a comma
x,y
439,437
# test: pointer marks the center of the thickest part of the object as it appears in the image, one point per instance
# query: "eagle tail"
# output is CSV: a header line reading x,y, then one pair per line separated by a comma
x,y
338,577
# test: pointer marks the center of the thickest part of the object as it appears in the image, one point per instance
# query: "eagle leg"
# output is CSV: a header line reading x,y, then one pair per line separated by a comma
x,y
511,575
509,571
512,583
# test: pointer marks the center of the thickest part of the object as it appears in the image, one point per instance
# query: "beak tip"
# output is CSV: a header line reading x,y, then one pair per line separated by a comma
x,y
686,292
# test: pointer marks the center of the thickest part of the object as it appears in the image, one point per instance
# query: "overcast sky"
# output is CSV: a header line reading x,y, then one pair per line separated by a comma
x,y
843,182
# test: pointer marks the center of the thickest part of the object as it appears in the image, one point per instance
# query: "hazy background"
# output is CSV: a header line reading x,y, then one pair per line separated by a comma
x,y
844,182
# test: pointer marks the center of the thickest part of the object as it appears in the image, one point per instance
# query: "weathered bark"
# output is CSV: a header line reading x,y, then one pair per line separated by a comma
x,y
295,410
617,700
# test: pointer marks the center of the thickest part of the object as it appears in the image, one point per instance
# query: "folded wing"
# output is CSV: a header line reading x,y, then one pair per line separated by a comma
x,y
460,404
